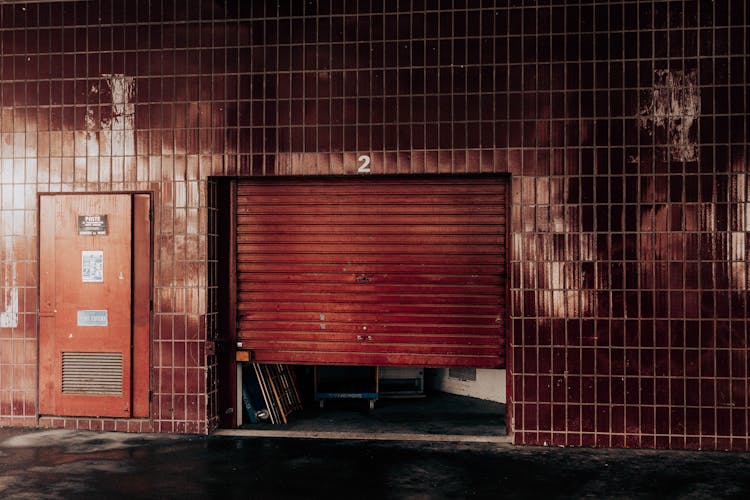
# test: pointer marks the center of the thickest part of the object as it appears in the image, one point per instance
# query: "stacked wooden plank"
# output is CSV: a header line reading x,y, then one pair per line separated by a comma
x,y
279,389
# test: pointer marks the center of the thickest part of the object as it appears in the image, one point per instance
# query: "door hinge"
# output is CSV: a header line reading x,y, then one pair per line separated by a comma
x,y
150,396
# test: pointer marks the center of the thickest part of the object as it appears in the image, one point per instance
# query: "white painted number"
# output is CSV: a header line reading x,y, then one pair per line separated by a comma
x,y
364,168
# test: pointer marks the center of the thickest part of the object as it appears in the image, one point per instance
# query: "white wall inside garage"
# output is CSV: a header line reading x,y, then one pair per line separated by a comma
x,y
489,384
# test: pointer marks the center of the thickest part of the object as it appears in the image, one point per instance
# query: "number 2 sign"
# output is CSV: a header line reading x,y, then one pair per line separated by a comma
x,y
364,166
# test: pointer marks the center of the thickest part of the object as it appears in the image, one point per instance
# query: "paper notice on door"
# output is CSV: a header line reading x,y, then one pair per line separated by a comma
x,y
92,266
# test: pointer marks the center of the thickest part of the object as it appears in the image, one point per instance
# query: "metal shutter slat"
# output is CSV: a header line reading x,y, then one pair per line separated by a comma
x,y
373,271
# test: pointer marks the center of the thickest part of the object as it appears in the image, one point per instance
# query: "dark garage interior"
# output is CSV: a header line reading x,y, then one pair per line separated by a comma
x,y
402,406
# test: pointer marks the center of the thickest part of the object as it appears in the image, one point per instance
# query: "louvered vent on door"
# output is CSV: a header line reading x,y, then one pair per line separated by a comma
x,y
92,373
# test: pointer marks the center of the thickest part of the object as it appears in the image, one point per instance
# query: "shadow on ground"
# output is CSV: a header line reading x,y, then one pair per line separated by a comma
x,y
438,413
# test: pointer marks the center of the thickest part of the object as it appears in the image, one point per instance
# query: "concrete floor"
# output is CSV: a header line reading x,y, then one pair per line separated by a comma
x,y
63,464
438,416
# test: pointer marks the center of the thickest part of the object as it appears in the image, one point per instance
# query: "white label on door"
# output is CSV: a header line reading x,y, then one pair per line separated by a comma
x,y
93,317
92,266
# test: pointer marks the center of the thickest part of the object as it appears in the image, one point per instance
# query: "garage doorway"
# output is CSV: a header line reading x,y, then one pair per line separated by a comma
x,y
404,276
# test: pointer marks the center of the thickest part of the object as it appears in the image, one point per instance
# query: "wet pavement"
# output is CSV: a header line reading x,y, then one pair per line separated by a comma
x,y
60,464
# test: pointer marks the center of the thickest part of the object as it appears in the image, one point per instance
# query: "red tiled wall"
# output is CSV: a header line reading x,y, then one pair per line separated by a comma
x,y
630,264
64,129
623,124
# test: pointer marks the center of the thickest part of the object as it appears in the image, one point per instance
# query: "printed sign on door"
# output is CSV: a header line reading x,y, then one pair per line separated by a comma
x,y
92,266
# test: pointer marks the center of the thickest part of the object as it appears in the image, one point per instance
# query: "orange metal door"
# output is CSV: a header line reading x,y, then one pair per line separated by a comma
x,y
390,271
86,315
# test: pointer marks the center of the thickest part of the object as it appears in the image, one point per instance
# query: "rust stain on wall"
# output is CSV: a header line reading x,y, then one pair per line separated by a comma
x,y
672,112
8,280
119,128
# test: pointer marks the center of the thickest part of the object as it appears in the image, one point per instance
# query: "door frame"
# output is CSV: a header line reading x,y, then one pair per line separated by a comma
x,y
142,271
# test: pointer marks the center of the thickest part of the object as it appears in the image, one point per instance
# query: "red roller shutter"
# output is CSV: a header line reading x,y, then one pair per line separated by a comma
x,y
388,271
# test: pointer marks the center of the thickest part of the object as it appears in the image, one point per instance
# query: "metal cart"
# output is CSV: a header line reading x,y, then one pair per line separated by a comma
x,y
346,382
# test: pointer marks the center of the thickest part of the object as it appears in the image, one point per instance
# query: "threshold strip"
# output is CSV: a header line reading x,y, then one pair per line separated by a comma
x,y
364,436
